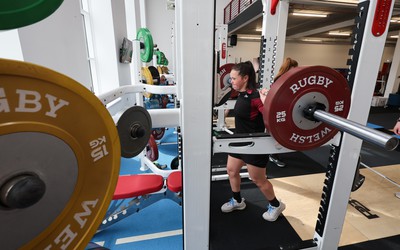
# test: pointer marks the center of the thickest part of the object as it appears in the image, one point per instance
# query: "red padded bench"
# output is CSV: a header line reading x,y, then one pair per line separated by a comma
x,y
129,186
174,181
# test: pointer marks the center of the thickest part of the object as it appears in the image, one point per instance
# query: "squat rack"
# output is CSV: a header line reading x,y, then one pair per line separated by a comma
x,y
193,31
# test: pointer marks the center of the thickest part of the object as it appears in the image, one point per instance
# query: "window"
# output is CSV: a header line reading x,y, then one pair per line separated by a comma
x,y
89,44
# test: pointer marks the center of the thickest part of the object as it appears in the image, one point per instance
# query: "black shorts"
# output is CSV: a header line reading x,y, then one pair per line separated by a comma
x,y
255,160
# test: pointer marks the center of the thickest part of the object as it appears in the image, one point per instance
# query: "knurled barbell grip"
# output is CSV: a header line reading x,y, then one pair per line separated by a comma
x,y
358,130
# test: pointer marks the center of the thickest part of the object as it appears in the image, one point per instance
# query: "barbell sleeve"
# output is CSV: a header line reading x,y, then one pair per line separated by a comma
x,y
358,130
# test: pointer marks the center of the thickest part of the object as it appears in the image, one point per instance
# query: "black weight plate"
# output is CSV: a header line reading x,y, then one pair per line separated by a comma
x,y
137,119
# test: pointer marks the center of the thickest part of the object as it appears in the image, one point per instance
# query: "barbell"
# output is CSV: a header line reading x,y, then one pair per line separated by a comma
x,y
307,106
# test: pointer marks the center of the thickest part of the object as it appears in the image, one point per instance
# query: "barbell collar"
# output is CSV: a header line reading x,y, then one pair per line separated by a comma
x,y
360,131
137,131
22,191
309,111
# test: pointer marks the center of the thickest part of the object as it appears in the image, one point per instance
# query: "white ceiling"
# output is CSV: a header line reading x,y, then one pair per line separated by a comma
x,y
340,18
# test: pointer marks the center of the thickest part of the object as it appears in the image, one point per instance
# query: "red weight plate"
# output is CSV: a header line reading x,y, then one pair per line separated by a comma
x,y
224,78
291,93
164,101
152,149
158,133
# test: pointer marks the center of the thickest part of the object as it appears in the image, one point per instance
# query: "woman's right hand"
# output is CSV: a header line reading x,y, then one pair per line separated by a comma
x,y
263,94
396,128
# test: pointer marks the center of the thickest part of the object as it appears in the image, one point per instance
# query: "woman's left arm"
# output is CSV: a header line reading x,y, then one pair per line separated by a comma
x,y
260,103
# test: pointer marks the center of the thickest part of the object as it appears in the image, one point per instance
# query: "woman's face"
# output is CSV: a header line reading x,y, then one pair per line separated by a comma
x,y
239,83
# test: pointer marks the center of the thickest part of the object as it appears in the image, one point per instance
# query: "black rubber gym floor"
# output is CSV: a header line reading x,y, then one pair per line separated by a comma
x,y
247,230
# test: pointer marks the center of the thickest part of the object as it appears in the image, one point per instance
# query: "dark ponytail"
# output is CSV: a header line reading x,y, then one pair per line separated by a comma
x,y
246,68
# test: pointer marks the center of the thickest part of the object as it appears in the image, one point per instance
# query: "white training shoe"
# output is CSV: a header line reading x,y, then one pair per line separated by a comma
x,y
232,204
278,162
273,212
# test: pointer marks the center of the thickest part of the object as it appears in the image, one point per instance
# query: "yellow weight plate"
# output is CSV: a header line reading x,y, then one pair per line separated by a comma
x,y
53,128
159,70
148,79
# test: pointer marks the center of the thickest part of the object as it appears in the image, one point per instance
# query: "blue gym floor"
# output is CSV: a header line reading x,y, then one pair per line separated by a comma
x,y
158,226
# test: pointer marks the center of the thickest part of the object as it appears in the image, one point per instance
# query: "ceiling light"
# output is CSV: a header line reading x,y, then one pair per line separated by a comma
x,y
395,36
312,40
309,14
344,1
259,29
249,37
337,33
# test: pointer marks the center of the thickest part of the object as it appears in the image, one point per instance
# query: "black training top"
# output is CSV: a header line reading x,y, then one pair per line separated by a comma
x,y
248,112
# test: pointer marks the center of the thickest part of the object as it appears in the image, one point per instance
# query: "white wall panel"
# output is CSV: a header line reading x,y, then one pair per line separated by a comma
x,y
57,42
